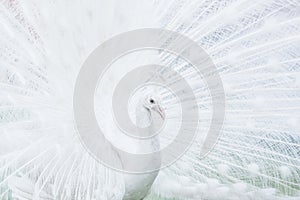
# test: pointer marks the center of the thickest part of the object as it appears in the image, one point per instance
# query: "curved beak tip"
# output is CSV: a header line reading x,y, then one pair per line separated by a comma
x,y
160,111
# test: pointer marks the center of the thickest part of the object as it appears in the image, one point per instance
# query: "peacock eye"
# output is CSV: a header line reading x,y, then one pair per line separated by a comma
x,y
151,101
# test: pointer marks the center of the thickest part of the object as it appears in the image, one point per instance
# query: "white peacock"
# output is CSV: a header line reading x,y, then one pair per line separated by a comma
x,y
255,47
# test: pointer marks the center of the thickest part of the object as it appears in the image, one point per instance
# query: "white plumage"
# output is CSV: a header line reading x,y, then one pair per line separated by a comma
x,y
254,45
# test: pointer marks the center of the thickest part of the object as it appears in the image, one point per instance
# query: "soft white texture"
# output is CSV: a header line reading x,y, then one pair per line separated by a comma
x,y
255,46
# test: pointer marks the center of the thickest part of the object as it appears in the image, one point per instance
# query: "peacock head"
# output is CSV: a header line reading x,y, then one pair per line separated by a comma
x,y
153,104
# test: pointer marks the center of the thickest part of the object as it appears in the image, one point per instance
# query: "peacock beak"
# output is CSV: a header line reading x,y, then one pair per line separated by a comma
x,y
160,111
